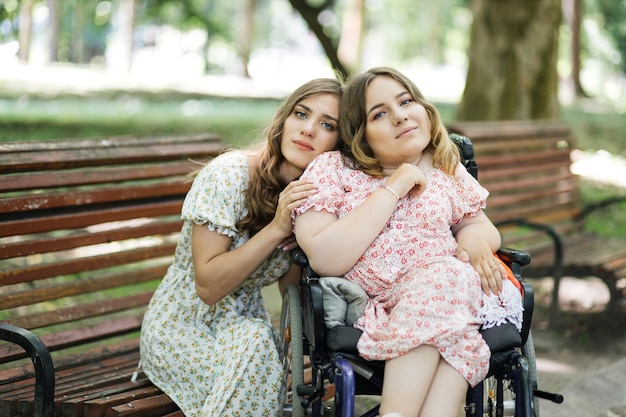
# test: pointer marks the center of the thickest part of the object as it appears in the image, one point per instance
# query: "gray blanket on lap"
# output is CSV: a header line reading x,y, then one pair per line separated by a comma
x,y
344,301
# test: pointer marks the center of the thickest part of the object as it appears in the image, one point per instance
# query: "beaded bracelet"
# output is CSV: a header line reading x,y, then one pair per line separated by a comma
x,y
391,190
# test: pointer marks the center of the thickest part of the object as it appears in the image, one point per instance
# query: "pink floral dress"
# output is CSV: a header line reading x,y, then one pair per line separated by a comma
x,y
419,292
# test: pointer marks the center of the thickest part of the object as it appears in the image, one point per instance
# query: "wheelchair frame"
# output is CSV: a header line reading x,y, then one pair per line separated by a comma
x,y
510,387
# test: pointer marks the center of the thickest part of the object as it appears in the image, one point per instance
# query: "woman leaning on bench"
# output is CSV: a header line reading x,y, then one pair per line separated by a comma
x,y
206,339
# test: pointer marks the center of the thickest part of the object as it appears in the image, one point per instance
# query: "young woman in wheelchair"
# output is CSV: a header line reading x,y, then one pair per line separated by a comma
x,y
396,213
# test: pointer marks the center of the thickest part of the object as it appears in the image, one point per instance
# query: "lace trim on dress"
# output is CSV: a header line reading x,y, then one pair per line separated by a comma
x,y
507,306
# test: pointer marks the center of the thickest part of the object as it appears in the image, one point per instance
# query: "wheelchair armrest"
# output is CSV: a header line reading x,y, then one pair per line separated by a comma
x,y
299,258
510,256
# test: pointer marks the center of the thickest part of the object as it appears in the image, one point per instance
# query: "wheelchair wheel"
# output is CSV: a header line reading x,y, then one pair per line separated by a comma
x,y
490,386
491,391
291,351
528,351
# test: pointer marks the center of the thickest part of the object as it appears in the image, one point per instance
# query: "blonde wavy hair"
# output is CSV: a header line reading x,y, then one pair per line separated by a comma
x,y
265,185
352,123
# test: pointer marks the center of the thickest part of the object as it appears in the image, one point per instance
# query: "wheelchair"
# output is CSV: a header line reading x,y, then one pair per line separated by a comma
x,y
336,375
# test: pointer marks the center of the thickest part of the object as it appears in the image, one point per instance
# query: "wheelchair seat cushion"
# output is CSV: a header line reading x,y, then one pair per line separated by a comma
x,y
502,337
343,339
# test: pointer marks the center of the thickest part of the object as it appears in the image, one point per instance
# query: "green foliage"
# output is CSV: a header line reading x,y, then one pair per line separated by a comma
x,y
9,11
614,14
597,129
213,16
423,32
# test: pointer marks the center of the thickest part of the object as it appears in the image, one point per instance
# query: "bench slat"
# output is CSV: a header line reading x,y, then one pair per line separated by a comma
x,y
124,392
78,287
87,238
80,312
76,158
69,361
105,142
103,194
150,406
69,338
89,176
76,219
23,388
88,263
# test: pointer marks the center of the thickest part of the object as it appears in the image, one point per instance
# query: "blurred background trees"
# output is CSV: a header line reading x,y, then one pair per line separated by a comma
x,y
512,59
512,71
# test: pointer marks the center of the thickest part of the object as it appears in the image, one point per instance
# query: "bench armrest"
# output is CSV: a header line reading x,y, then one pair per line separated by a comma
x,y
600,205
555,236
42,362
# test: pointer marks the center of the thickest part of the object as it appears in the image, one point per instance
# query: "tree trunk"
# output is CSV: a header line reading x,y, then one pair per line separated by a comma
x,y
310,15
512,71
247,35
77,52
25,30
350,45
127,26
53,26
573,10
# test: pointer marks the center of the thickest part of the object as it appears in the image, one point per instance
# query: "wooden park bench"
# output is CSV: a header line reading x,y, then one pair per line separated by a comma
x,y
535,201
87,230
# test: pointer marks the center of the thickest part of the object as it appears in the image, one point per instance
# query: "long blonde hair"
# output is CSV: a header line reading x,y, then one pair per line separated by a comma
x,y
265,185
352,123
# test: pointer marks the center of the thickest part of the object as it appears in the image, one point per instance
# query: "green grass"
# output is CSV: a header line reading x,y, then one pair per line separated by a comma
x,y
595,130
238,121
609,221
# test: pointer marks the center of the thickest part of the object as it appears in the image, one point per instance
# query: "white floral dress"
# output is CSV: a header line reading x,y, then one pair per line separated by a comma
x,y
216,360
419,291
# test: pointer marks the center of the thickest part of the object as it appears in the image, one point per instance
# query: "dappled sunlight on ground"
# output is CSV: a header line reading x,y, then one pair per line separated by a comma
x,y
552,366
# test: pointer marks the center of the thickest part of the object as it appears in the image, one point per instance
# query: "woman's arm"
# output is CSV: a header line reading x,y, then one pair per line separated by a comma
x,y
477,239
333,245
219,270
291,277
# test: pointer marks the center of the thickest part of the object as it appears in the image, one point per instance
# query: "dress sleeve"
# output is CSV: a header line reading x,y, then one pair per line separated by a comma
x,y
470,197
325,172
216,197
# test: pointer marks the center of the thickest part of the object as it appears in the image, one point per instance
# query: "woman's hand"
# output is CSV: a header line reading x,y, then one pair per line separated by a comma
x,y
477,240
289,199
489,269
407,179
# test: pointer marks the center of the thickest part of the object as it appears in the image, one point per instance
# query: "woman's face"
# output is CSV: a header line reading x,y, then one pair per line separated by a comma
x,y
309,130
397,127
